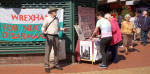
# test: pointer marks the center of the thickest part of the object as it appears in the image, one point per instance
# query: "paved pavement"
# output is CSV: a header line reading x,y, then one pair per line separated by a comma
x,y
136,62
141,70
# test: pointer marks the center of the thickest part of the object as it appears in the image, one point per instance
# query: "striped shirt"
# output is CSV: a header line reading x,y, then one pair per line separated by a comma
x,y
105,27
53,28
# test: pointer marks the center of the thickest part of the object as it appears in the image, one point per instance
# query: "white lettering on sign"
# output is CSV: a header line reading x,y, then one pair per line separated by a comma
x,y
129,2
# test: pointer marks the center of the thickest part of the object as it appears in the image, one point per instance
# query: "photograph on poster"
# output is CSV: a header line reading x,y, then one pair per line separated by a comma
x,y
86,50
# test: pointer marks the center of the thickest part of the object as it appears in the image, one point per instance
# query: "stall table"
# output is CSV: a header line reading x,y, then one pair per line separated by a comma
x,y
88,50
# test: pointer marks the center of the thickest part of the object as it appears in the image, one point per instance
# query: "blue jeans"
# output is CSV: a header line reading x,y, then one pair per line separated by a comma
x,y
144,36
114,51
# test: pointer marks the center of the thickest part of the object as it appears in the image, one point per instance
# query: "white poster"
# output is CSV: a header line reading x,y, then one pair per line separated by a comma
x,y
86,50
89,51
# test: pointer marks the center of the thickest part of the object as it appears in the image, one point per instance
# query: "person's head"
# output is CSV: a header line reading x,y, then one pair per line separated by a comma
x,y
99,15
132,14
127,17
108,16
52,11
144,13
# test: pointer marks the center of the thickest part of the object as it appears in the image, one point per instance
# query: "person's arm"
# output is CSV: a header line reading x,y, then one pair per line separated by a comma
x,y
139,22
134,29
149,23
94,33
64,29
43,27
95,30
113,25
122,27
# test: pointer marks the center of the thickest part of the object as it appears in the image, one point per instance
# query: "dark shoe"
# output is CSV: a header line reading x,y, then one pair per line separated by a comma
x,y
58,67
115,61
126,53
47,70
144,44
103,66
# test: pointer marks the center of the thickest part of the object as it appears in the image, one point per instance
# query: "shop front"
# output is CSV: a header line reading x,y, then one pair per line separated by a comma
x,y
24,42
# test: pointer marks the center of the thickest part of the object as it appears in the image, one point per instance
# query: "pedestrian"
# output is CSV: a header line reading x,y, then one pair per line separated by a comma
x,y
119,19
127,30
144,24
116,37
106,37
50,29
134,19
136,23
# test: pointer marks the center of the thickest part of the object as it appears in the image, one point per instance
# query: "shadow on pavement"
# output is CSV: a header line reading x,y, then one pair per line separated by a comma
x,y
133,50
121,57
66,61
148,42
135,44
130,50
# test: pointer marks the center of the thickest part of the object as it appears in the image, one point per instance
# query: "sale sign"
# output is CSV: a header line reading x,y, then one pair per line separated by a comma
x,y
18,24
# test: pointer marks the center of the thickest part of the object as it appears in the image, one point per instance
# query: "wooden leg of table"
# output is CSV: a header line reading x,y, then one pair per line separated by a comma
x,y
92,58
78,62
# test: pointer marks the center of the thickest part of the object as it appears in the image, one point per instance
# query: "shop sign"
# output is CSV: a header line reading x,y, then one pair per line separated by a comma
x,y
109,1
129,2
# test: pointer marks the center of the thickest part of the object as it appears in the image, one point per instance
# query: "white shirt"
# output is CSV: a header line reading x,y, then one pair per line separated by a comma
x,y
105,27
53,28
132,19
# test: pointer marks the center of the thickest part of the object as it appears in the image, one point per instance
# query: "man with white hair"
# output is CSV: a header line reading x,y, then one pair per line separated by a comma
x,y
144,24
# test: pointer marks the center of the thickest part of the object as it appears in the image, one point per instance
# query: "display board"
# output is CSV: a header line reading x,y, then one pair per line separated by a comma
x,y
79,32
86,20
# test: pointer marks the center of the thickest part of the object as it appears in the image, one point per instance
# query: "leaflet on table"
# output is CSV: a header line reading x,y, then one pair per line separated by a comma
x,y
94,39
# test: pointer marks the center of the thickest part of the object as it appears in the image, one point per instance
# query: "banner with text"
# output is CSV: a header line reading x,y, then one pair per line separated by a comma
x,y
18,24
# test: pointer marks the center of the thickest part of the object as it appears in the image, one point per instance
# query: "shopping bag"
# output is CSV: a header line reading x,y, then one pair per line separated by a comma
x,y
62,50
